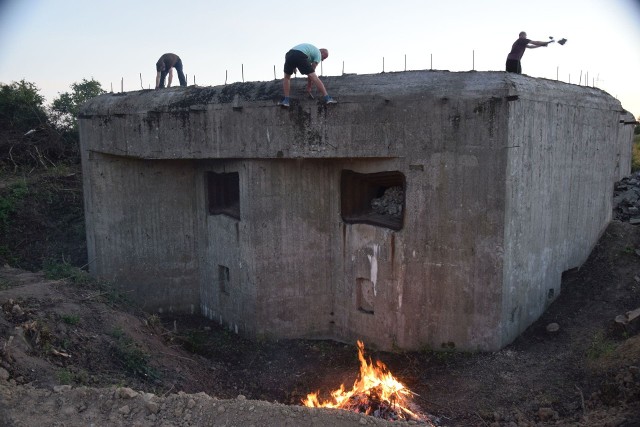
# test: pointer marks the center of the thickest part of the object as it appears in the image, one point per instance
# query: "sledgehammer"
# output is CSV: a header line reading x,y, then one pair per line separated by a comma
x,y
561,42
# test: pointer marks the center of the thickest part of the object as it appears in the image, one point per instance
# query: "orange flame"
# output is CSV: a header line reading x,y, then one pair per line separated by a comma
x,y
374,382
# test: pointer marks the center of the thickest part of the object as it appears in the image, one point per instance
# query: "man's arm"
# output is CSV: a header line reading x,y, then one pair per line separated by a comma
x,y
534,44
170,77
157,79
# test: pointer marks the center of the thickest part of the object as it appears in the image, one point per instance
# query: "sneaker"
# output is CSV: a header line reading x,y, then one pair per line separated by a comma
x,y
284,103
329,100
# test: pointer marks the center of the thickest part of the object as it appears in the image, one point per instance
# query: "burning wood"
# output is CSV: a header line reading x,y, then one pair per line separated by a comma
x,y
375,392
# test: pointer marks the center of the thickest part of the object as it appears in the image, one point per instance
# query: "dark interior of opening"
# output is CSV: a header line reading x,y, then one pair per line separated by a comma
x,y
224,194
374,198
223,279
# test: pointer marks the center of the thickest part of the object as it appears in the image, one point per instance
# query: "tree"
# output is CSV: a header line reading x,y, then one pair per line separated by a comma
x,y
66,107
21,106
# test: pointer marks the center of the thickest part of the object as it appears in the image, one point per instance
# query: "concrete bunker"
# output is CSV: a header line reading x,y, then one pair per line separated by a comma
x,y
426,209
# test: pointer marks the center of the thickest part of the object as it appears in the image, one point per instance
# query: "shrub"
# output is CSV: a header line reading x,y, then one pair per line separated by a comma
x,y
56,270
133,359
21,106
635,155
9,203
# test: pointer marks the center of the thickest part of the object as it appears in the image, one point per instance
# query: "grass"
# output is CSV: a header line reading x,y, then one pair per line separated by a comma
x,y
5,284
9,202
133,359
67,377
600,346
71,319
196,342
635,157
55,270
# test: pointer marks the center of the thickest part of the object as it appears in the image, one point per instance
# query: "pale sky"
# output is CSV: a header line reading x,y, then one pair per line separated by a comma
x,y
54,43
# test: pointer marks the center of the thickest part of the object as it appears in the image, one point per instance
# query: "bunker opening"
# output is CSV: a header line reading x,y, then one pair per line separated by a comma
x,y
376,198
223,191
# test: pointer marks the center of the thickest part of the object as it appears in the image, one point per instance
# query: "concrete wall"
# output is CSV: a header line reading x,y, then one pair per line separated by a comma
x,y
141,229
507,180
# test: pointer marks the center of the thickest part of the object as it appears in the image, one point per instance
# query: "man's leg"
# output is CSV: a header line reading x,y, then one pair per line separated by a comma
x,y
178,66
286,85
316,80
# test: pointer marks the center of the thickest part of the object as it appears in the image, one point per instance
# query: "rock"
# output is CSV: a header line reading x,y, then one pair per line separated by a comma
x,y
152,407
68,411
390,203
4,374
61,388
547,414
148,396
628,317
127,393
553,327
16,310
125,410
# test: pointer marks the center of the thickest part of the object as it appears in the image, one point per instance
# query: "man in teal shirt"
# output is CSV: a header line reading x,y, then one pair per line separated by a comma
x,y
305,57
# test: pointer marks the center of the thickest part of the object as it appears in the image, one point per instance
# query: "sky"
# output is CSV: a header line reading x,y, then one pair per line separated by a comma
x,y
54,43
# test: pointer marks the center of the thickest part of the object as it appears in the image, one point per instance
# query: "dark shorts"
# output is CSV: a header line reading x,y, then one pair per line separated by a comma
x,y
296,59
513,66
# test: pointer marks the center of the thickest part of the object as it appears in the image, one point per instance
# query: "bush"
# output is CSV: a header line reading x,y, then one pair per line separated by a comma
x,y
55,270
66,107
9,203
21,107
131,357
635,154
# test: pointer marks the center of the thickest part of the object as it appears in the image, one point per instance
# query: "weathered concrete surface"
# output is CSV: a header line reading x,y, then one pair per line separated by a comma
x,y
507,180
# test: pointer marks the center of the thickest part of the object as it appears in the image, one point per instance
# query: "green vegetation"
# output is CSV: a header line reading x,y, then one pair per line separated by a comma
x,y
55,270
21,107
41,203
9,203
600,346
65,108
71,319
134,360
67,376
196,342
635,159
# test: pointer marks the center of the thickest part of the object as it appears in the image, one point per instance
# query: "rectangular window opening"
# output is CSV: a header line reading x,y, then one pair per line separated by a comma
x,y
375,198
223,279
223,191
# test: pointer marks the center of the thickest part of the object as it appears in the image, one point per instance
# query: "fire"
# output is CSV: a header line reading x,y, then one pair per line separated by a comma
x,y
375,392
